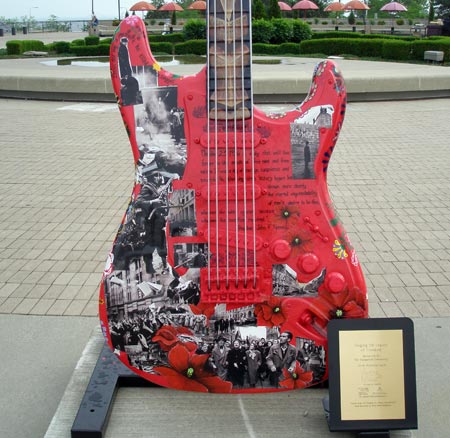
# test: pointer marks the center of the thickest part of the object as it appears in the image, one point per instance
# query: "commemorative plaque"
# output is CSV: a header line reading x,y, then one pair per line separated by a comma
x,y
372,375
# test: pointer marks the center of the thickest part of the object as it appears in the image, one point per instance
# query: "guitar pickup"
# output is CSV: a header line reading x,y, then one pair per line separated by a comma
x,y
228,286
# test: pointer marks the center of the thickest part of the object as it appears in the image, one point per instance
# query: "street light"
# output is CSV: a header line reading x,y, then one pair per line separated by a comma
x,y
29,15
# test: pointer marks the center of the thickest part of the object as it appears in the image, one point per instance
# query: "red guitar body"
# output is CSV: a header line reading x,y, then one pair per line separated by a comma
x,y
230,259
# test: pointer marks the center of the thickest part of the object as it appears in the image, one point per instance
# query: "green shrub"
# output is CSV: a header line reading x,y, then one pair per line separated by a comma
x,y
99,50
13,47
168,38
381,22
339,46
300,31
115,22
324,22
398,50
289,48
195,30
193,47
390,37
418,47
92,40
265,49
106,41
400,21
372,48
162,48
329,46
262,31
282,30
28,45
50,47
78,42
62,47
333,34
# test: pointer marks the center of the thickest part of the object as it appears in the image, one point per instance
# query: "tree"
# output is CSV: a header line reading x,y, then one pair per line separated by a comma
x,y
431,11
274,10
258,10
351,18
442,8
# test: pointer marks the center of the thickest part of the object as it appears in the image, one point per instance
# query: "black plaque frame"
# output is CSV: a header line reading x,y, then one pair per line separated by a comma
x,y
335,421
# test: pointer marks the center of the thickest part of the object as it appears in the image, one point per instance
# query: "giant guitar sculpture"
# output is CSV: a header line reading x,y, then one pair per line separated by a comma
x,y
230,259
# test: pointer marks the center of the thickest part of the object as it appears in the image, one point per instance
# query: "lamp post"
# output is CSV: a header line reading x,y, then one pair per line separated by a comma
x,y
118,8
29,16
92,7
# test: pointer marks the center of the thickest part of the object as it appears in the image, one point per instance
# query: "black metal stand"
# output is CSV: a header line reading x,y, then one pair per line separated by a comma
x,y
108,375
370,434
374,434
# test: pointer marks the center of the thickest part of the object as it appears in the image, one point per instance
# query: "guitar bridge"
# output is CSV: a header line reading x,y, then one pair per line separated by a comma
x,y
245,286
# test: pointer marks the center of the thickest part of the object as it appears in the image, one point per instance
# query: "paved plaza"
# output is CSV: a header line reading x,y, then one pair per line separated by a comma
x,y
67,173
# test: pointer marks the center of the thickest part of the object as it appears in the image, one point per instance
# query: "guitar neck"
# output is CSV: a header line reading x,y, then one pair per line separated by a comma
x,y
229,59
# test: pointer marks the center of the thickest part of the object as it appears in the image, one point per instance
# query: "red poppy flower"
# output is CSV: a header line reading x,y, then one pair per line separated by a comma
x,y
271,312
203,309
299,379
300,240
287,215
187,372
328,306
168,336
347,304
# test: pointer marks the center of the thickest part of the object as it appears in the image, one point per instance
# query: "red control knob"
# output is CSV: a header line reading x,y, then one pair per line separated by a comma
x,y
308,263
280,249
335,282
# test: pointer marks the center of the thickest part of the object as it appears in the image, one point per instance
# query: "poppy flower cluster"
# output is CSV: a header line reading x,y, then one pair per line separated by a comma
x,y
187,371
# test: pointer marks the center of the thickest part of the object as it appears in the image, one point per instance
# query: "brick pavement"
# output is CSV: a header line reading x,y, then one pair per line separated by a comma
x,y
67,173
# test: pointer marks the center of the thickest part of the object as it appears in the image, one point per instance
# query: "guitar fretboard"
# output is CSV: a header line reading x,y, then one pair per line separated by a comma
x,y
229,59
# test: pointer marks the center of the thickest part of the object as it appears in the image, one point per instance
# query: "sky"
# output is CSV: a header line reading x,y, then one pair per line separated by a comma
x,y
65,9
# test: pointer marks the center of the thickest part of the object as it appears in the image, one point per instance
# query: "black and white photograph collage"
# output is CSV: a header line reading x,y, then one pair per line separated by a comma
x,y
305,140
285,282
239,351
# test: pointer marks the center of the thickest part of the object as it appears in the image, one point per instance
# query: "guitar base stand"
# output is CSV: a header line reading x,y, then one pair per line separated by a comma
x,y
109,374
366,434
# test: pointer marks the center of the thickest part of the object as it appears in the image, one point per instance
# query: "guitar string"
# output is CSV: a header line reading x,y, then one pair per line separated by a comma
x,y
236,188
227,214
208,136
252,121
216,146
244,147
